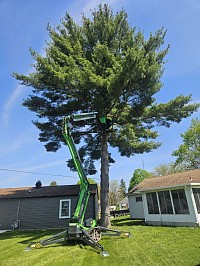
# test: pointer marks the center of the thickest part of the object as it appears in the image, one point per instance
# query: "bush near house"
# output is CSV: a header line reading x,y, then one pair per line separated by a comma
x,y
148,245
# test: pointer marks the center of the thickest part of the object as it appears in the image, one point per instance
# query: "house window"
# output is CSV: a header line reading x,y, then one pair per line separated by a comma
x,y
180,201
152,203
165,202
196,192
65,208
138,199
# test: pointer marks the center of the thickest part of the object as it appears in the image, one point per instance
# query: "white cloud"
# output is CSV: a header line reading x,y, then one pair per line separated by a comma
x,y
14,142
45,165
90,5
13,99
78,8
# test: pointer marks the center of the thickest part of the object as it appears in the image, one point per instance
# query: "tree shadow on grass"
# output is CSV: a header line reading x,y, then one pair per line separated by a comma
x,y
33,236
29,235
124,221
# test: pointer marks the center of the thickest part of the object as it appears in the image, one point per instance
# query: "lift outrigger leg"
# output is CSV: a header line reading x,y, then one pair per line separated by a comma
x,y
90,237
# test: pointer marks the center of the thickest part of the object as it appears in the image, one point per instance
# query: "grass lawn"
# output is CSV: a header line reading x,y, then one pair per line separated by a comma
x,y
148,245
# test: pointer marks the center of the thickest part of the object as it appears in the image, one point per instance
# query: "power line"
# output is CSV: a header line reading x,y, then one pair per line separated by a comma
x,y
36,173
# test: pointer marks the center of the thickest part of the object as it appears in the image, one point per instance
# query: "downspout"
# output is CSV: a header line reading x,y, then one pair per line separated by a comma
x,y
16,224
18,210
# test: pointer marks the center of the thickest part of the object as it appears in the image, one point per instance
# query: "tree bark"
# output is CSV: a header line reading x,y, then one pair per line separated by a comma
x,y
105,212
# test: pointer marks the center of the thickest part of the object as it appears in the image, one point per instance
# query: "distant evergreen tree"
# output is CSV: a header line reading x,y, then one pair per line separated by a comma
x,y
122,188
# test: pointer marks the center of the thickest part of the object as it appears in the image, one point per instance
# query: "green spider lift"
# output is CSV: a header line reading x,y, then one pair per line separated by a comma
x,y
86,231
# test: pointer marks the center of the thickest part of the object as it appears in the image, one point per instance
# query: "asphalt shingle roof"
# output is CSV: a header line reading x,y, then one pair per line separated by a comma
x,y
173,180
44,191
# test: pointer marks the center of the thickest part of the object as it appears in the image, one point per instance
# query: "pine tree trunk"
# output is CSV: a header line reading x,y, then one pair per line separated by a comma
x,y
105,213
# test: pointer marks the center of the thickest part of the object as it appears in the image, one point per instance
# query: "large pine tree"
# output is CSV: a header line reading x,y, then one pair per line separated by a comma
x,y
105,66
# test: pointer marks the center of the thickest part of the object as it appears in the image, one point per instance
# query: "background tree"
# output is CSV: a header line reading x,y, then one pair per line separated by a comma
x,y
53,183
138,176
188,153
90,180
117,191
122,189
167,169
114,193
102,65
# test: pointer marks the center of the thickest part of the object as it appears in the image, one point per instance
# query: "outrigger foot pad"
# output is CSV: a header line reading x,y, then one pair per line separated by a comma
x,y
105,254
35,245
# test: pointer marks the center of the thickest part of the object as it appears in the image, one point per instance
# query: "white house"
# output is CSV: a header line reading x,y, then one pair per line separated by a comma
x,y
172,200
123,204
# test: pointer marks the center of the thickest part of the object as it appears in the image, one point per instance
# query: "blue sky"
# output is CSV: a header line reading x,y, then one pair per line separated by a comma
x,y
23,25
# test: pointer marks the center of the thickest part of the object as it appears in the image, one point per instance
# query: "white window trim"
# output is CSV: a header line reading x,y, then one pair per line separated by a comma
x,y
170,193
60,209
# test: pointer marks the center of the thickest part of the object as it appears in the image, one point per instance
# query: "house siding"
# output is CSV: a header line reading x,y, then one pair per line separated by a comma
x,y
136,207
92,208
8,213
36,213
39,213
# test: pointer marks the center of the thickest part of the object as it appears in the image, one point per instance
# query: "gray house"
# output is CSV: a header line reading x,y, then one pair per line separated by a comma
x,y
172,200
42,207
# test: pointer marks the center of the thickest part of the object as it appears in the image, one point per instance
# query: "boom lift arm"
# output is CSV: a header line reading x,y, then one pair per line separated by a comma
x,y
84,184
78,229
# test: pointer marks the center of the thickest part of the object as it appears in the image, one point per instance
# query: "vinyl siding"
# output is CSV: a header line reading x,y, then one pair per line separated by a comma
x,y
39,213
36,213
90,211
8,213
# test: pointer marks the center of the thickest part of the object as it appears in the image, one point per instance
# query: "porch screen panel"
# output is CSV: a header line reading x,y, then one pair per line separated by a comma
x,y
152,203
165,202
180,201
196,192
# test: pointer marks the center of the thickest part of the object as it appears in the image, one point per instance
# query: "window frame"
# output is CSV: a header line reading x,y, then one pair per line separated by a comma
x,y
196,194
180,202
61,207
138,198
151,198
165,202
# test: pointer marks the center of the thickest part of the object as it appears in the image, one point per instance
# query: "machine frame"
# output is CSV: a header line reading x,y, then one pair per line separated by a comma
x,y
86,231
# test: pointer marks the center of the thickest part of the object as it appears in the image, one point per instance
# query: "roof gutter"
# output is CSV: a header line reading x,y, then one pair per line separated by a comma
x,y
164,187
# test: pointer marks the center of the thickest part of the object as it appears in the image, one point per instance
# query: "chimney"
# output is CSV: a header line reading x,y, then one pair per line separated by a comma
x,y
38,184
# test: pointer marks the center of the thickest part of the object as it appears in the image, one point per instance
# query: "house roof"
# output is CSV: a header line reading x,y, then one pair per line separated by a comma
x,y
169,181
123,201
44,191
